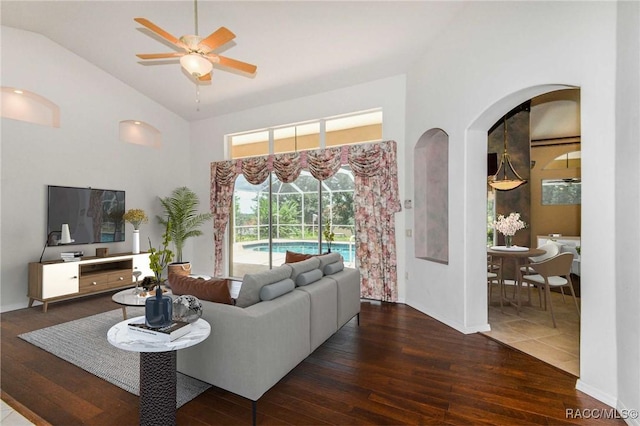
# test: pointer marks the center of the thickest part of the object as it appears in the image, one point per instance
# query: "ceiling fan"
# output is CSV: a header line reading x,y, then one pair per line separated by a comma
x,y
197,57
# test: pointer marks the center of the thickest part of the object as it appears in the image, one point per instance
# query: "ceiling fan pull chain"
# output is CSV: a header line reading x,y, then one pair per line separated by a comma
x,y
197,97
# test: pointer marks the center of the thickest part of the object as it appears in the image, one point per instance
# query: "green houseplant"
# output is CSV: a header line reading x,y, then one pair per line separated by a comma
x,y
181,209
328,234
159,258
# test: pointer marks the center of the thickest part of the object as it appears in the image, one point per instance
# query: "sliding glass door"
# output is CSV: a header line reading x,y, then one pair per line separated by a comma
x,y
274,217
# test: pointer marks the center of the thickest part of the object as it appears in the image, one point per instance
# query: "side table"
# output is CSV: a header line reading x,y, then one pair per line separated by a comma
x,y
157,368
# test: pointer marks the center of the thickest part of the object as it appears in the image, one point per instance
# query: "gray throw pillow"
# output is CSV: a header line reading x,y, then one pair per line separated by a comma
x,y
308,277
332,268
303,266
252,283
271,291
329,258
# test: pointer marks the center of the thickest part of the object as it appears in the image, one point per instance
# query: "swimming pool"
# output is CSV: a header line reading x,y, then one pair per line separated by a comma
x,y
347,250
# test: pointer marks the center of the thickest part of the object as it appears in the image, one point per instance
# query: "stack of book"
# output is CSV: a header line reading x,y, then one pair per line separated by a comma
x,y
71,256
163,334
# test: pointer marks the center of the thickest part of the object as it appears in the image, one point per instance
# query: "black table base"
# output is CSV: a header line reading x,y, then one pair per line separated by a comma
x,y
158,388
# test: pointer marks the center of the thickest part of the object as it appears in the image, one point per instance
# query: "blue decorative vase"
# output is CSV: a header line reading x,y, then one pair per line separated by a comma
x,y
158,310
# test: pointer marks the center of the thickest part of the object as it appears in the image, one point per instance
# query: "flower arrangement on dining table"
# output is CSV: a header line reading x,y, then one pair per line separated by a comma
x,y
509,225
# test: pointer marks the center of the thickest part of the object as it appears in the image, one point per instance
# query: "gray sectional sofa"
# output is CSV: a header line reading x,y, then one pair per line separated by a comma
x,y
281,316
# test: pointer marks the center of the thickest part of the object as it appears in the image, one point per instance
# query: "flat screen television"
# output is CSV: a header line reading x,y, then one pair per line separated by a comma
x,y
93,215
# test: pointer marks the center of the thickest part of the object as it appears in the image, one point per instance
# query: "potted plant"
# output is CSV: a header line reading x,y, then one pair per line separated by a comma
x,y
181,209
328,234
159,258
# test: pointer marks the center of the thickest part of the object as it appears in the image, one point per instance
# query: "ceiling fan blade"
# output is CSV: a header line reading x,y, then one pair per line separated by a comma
x,y
160,55
216,39
206,77
233,63
162,33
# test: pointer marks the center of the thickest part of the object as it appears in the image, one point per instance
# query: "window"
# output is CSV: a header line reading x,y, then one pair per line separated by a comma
x,y
561,191
360,127
274,217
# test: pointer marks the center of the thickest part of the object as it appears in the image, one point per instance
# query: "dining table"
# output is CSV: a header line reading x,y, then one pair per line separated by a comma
x,y
519,255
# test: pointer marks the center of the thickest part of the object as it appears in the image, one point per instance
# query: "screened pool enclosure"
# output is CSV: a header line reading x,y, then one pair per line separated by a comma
x,y
270,218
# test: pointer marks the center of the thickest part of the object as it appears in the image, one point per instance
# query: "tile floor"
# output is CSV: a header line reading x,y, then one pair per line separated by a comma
x,y
10,417
532,331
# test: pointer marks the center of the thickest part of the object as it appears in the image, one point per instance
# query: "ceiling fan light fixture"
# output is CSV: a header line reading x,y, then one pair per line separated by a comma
x,y
196,64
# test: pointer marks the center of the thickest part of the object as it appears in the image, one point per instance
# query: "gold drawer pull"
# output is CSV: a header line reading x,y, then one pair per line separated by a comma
x,y
94,283
121,279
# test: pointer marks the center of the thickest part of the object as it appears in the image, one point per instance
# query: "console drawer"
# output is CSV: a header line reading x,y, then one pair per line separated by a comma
x,y
93,280
123,276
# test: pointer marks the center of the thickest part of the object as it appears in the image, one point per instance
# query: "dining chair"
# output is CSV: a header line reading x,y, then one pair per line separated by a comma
x,y
551,249
494,276
553,272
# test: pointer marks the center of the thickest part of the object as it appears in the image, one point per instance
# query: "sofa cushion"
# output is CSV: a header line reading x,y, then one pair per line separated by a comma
x,y
272,291
303,266
293,257
323,296
213,290
332,268
329,258
252,283
308,277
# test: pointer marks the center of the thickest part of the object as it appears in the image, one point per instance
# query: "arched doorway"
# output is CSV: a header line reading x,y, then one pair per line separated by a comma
x,y
548,138
477,145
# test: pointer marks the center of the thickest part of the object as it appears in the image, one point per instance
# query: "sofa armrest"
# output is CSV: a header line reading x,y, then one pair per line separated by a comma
x,y
348,281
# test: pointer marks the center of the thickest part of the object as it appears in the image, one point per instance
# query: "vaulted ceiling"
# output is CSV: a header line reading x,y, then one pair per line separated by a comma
x,y
300,47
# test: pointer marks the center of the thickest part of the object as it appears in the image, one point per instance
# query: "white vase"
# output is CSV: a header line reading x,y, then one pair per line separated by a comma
x,y
136,242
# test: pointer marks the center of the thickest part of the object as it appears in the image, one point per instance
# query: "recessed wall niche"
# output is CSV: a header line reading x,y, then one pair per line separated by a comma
x,y
431,197
140,133
23,105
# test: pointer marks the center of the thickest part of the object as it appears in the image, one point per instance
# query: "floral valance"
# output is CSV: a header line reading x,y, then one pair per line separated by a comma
x,y
321,163
376,197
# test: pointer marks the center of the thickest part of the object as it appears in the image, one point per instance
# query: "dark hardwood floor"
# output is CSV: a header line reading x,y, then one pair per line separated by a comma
x,y
398,367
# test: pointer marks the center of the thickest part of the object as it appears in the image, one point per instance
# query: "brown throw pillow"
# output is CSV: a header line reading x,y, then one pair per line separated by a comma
x,y
213,290
293,257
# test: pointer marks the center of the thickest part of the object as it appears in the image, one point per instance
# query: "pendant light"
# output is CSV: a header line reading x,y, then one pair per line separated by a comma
x,y
505,184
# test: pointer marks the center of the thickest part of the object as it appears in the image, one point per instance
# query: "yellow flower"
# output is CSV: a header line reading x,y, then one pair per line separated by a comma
x,y
136,217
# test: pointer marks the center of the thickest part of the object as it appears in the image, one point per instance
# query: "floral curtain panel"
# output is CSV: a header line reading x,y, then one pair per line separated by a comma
x,y
376,199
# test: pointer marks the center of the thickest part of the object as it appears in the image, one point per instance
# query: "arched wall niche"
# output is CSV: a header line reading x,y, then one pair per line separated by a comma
x,y
24,105
140,133
431,197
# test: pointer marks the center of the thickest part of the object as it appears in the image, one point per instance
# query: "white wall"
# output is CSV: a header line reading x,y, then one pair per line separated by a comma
x,y
491,58
208,141
627,230
84,151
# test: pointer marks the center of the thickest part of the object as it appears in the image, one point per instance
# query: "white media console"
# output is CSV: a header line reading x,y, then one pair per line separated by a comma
x,y
57,280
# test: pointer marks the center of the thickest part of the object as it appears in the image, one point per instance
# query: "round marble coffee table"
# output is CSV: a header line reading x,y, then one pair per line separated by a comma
x,y
128,297
157,367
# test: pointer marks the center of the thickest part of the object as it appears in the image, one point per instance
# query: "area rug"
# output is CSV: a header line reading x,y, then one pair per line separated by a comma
x,y
84,343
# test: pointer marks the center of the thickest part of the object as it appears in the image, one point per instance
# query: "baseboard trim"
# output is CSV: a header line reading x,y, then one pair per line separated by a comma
x,y
627,416
453,324
596,393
